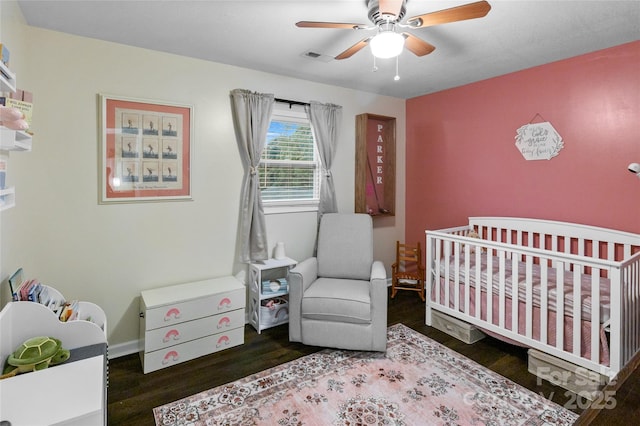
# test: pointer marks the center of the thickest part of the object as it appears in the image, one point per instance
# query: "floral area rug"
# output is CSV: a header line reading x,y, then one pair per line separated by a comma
x,y
416,382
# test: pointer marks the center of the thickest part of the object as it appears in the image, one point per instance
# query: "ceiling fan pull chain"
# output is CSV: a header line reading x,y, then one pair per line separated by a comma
x,y
397,77
375,67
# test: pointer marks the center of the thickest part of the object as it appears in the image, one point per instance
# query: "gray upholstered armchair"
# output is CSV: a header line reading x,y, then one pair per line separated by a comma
x,y
338,299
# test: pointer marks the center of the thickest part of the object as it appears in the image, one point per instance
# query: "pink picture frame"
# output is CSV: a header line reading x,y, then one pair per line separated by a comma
x,y
145,150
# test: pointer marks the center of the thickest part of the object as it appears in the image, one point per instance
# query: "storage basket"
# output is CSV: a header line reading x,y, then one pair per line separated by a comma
x,y
274,311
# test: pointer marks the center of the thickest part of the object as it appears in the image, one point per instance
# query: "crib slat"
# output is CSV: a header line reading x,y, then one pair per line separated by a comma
x,y
554,247
634,281
618,357
611,251
633,274
509,234
560,305
577,311
456,276
529,296
544,301
595,315
477,280
515,320
467,277
438,274
501,288
489,287
447,272
581,250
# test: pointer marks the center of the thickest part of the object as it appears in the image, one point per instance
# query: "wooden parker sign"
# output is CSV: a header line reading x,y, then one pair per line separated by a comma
x,y
375,165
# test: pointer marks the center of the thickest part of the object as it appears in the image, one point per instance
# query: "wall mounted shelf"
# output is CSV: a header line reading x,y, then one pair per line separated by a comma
x,y
7,79
375,175
14,140
10,140
7,198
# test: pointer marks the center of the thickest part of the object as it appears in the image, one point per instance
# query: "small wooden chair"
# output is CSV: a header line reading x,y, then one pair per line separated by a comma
x,y
408,271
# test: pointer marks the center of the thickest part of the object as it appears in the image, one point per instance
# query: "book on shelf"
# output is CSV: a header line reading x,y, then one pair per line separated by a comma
x,y
14,283
32,290
69,311
4,56
3,170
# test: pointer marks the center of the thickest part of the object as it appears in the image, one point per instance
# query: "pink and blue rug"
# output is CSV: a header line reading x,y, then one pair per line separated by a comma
x,y
416,382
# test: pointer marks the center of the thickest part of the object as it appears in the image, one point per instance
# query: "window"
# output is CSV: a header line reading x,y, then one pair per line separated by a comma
x,y
289,168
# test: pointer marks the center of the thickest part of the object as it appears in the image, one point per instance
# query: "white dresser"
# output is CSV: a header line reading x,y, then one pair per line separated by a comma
x,y
185,321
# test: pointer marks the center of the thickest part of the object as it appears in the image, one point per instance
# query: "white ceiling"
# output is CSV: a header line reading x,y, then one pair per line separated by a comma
x,y
261,34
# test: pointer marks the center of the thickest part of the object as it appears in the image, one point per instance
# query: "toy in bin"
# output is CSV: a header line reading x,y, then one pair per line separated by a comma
x,y
275,310
35,354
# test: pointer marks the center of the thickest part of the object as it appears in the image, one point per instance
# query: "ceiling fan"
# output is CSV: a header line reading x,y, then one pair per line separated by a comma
x,y
387,15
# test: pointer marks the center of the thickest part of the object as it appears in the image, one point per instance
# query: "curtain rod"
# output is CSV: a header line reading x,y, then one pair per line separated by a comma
x,y
287,101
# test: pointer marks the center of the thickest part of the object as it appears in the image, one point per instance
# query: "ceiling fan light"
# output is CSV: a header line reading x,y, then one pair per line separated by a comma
x,y
387,44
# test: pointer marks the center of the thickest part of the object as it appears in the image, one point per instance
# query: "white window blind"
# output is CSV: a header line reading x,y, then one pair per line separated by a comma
x,y
289,167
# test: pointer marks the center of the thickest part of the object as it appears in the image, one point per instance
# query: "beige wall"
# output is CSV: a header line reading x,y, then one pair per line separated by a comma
x,y
107,254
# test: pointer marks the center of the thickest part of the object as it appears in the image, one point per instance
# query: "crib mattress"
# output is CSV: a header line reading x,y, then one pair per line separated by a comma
x,y
535,284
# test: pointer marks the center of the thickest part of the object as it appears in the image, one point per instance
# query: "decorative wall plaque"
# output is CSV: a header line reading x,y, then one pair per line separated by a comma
x,y
538,141
375,180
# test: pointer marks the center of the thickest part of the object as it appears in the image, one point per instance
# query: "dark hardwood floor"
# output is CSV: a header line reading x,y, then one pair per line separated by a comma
x,y
132,395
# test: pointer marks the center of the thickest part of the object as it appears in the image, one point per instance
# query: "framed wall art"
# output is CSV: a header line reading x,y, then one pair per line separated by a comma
x,y
375,174
145,150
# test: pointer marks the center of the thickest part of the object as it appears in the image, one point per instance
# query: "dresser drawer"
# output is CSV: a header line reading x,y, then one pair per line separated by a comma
x,y
167,357
182,311
191,330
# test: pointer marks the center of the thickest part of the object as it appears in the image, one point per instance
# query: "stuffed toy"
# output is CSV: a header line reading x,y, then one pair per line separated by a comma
x,y
12,118
35,354
474,234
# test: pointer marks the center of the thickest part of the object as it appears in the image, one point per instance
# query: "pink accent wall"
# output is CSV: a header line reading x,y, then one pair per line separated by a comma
x,y
462,160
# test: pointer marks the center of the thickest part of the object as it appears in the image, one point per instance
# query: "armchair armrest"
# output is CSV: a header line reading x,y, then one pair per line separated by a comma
x,y
379,304
300,277
305,272
378,272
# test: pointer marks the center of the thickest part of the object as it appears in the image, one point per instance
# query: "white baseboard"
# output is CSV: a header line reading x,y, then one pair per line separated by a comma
x,y
122,349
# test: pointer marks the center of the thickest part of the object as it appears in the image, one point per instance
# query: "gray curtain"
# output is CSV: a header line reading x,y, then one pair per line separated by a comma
x,y
251,116
325,121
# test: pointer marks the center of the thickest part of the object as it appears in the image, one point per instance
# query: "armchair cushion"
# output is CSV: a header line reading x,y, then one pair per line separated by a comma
x,y
345,246
341,300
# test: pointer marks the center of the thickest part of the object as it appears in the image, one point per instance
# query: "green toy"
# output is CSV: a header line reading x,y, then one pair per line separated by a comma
x,y
35,354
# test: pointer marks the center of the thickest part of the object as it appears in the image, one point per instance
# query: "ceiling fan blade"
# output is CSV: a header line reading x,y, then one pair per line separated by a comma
x,y
417,46
354,49
345,25
459,13
390,7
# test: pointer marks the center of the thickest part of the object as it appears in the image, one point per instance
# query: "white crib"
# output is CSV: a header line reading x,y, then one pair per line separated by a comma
x,y
577,287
